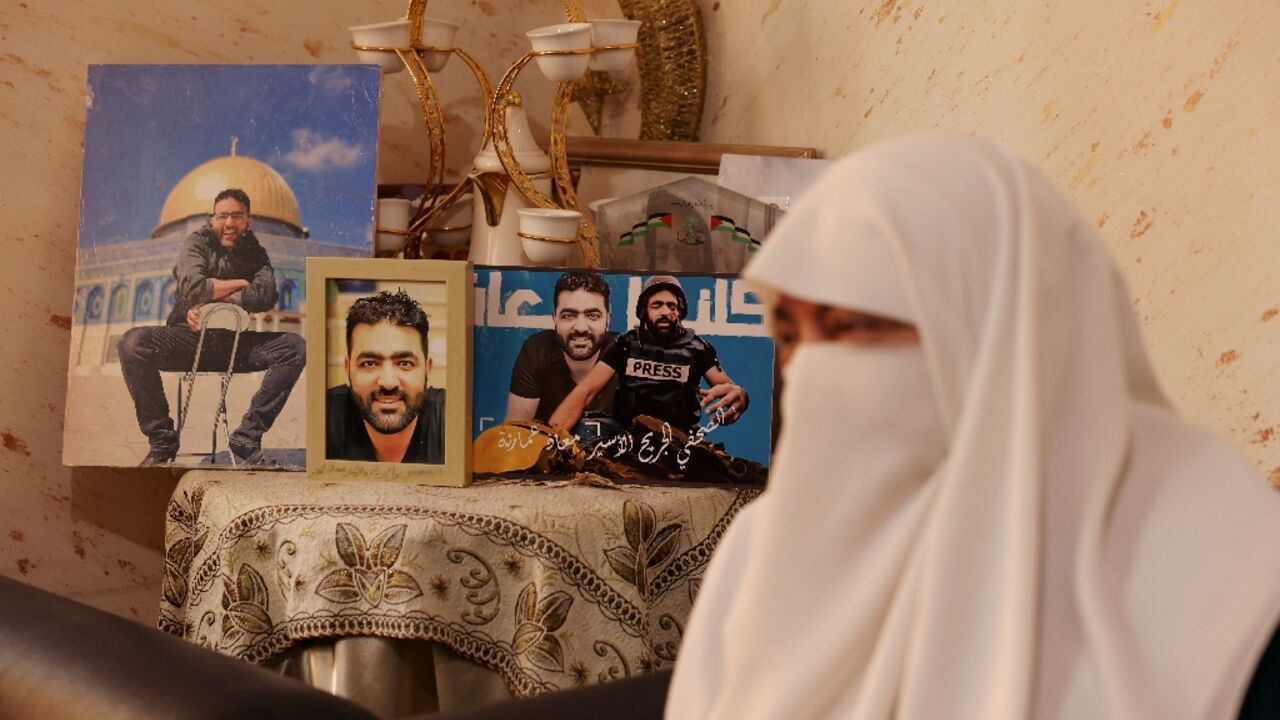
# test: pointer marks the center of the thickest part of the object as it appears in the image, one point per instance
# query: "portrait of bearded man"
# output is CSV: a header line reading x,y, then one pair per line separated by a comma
x,y
387,411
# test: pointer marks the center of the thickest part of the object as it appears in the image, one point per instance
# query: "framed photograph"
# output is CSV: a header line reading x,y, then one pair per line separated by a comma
x,y
389,370
205,188
630,377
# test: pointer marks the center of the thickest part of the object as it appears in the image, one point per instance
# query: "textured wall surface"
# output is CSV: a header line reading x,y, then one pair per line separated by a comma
x,y
1156,117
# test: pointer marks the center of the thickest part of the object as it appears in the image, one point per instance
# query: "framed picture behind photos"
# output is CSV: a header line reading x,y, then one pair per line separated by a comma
x,y
539,336
205,189
389,370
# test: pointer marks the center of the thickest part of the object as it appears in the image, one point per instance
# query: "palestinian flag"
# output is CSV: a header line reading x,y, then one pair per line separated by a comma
x,y
639,231
725,224
657,219
722,223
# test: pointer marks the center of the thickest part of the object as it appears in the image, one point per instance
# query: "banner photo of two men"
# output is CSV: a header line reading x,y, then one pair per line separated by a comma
x,y
630,377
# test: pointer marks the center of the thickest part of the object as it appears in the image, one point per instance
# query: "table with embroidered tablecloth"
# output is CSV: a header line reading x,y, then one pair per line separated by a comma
x,y
547,584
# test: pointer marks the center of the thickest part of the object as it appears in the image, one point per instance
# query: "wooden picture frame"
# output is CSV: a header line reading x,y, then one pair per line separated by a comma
x,y
341,441
671,156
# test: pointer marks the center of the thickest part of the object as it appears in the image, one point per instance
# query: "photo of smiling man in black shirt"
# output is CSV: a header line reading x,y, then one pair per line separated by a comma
x,y
552,362
659,366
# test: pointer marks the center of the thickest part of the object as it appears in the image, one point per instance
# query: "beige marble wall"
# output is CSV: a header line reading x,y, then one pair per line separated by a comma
x,y
1157,117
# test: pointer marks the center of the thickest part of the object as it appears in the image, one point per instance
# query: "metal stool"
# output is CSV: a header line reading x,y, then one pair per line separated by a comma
x,y
214,316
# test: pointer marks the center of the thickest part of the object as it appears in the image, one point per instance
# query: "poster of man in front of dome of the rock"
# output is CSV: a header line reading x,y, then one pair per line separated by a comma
x,y
205,189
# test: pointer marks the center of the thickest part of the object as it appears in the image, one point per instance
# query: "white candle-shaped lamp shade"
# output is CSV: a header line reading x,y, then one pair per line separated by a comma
x,y
566,36
548,235
437,34
393,214
613,32
394,34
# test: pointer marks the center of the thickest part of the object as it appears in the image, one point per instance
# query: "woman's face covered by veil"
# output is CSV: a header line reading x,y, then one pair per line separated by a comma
x,y
978,494
797,321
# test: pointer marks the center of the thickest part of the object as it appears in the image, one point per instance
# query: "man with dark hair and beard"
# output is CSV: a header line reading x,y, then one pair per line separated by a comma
x,y
552,362
659,366
221,262
386,412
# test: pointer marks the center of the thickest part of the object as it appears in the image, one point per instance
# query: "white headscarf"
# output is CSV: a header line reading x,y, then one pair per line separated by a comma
x,y
1006,521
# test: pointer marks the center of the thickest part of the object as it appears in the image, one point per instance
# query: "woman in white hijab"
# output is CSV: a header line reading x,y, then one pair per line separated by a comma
x,y
981,505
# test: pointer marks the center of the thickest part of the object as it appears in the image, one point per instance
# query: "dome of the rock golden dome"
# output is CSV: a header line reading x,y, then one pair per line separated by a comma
x,y
269,194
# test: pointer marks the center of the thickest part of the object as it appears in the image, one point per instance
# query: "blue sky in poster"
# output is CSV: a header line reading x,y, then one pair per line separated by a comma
x,y
512,305
149,125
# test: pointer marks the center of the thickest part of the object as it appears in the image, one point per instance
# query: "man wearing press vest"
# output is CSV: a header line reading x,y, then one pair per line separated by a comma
x,y
660,365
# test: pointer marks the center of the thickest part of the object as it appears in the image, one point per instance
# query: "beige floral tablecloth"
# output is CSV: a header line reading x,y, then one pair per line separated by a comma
x,y
550,585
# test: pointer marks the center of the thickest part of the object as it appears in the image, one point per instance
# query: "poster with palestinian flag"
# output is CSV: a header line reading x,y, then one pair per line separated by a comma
x,y
736,233
690,225
641,230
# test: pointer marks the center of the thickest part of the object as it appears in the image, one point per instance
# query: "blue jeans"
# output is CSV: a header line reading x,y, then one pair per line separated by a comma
x,y
145,352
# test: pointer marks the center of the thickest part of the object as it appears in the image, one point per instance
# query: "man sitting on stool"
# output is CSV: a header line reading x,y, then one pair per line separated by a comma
x,y
221,262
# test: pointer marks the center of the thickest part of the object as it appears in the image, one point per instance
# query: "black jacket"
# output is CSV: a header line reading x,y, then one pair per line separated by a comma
x,y
203,260
346,437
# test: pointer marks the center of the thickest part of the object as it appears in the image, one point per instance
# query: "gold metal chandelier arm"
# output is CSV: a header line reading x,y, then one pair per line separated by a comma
x,y
587,233
559,156
423,219
431,114
435,201
486,90
502,144
434,119
573,11
417,8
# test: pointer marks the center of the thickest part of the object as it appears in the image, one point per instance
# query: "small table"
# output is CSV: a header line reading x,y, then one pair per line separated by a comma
x,y
547,584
